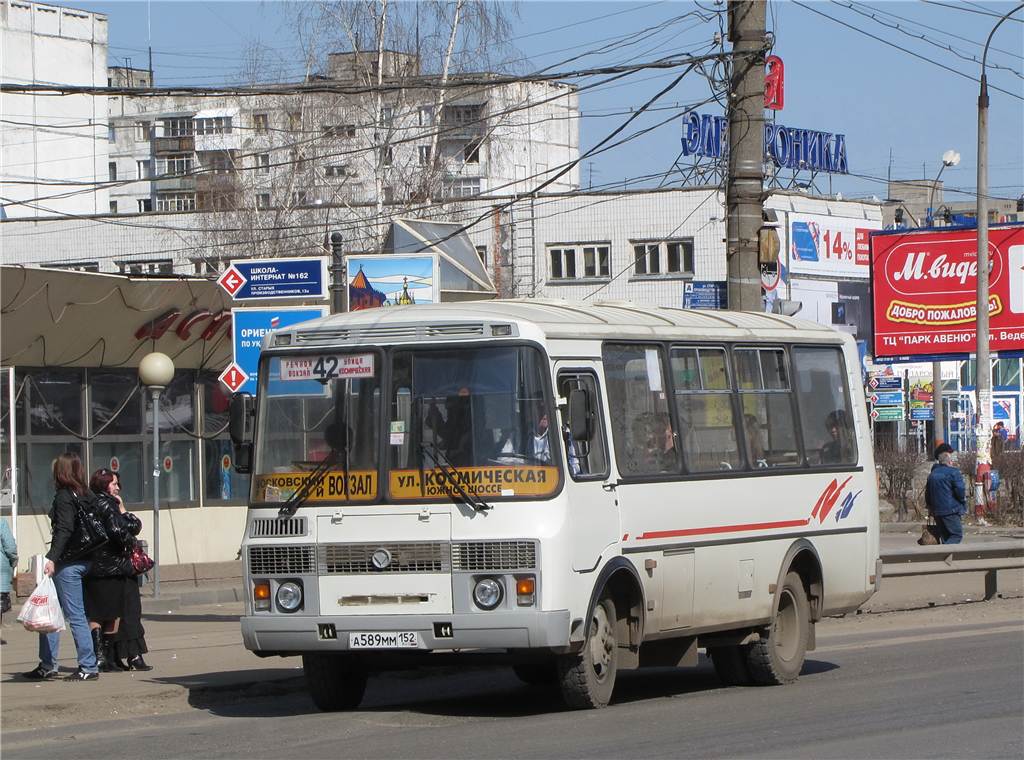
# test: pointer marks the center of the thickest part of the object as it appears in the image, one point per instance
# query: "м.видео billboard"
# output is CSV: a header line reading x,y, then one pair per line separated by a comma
x,y
924,286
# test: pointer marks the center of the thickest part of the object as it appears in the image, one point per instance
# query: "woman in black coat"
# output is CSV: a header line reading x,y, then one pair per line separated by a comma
x,y
129,644
107,585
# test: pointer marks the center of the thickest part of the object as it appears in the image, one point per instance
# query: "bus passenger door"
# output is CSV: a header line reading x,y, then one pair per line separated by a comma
x,y
592,510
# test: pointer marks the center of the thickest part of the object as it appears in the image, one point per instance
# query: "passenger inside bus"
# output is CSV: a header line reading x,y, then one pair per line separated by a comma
x,y
755,451
454,429
535,447
838,450
654,444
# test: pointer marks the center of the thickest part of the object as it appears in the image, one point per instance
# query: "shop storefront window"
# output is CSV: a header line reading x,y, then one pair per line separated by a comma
x,y
35,473
125,457
54,399
176,407
110,391
222,483
178,472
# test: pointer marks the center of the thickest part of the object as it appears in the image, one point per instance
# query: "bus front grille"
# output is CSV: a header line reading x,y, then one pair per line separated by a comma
x,y
490,556
282,560
350,559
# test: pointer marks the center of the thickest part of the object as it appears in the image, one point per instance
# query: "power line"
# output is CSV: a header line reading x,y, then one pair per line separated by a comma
x,y
979,11
903,49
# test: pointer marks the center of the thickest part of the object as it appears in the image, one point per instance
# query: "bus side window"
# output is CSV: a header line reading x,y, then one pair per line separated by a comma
x,y
703,397
586,460
645,442
769,425
825,416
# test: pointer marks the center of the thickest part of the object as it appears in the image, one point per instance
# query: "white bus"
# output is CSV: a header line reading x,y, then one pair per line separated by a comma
x,y
569,489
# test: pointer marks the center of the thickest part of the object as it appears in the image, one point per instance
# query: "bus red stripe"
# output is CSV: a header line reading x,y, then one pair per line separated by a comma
x,y
724,529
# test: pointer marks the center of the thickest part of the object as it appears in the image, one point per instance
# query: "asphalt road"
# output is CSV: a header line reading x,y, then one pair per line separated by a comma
x,y
940,683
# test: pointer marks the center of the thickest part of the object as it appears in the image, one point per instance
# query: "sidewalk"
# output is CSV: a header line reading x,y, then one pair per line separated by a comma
x,y
199,661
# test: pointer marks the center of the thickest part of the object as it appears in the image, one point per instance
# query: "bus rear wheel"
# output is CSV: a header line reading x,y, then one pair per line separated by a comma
x,y
335,681
778,657
587,679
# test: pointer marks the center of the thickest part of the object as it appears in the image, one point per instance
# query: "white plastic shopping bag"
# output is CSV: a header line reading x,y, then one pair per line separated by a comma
x,y
42,613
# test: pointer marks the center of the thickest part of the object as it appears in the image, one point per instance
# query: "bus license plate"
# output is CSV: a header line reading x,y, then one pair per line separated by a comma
x,y
384,640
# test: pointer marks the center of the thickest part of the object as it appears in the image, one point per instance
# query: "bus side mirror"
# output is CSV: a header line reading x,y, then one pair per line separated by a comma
x,y
242,412
579,415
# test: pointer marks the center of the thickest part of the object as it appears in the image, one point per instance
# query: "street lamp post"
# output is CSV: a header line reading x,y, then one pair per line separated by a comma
x,y
156,371
983,382
949,158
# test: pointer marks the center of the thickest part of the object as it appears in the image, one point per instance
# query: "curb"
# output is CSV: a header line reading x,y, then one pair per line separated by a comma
x,y
200,596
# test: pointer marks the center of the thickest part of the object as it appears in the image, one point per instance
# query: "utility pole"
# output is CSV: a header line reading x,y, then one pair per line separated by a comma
x,y
339,286
745,179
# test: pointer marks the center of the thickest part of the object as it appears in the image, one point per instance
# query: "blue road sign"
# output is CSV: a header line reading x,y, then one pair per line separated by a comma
x,y
886,383
922,413
887,398
704,295
249,325
253,279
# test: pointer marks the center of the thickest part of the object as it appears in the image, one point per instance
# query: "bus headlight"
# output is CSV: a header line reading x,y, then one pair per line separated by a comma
x,y
487,593
289,596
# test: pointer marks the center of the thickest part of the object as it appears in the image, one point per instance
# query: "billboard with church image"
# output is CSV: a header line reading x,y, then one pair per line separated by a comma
x,y
376,281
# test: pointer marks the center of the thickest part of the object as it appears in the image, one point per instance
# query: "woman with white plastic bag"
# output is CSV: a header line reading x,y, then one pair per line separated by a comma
x,y
42,613
67,563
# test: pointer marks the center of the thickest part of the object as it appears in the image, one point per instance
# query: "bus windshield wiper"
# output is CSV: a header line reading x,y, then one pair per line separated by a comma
x,y
452,476
316,477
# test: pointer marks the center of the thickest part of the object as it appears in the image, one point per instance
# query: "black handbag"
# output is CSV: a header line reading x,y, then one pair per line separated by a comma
x,y
89,535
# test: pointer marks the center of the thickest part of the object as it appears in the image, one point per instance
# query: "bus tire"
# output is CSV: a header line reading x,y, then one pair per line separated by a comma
x,y
731,664
335,682
588,677
537,673
778,657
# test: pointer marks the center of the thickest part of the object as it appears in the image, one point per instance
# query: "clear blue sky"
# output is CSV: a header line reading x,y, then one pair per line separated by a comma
x,y
837,79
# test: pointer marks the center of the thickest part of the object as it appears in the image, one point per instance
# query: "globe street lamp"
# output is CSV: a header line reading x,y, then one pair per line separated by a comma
x,y
983,382
156,371
949,158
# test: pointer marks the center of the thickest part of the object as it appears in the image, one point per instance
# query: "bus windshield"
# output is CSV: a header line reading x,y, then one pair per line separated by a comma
x,y
313,409
478,415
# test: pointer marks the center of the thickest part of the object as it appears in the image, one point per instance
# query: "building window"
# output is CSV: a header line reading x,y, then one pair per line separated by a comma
x,y
424,154
481,251
462,115
209,265
295,120
300,198
580,261
463,187
175,165
221,162
260,123
176,127
76,266
145,205
113,207
563,263
263,163
680,256
387,115
112,171
389,194
337,170
216,125
262,200
340,130
142,131
425,116
471,153
150,266
387,156
142,169
111,133
176,202
671,257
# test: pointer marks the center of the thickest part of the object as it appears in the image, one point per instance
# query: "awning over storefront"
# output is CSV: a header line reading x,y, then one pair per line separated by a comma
x,y
462,273
57,318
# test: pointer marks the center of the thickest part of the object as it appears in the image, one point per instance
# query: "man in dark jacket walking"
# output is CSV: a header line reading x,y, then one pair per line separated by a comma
x,y
945,496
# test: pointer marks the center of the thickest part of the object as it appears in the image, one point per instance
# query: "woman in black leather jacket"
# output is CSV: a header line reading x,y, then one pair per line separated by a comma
x,y
106,586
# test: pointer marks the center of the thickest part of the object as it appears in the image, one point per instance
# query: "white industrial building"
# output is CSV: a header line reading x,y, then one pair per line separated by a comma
x,y
47,140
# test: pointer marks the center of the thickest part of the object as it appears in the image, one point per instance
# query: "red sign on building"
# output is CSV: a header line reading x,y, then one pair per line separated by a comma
x,y
924,287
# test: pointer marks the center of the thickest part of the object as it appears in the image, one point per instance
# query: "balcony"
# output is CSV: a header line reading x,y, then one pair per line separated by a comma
x,y
186,144
174,184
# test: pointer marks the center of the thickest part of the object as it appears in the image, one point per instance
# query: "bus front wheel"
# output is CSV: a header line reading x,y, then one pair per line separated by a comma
x,y
335,682
588,678
778,657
